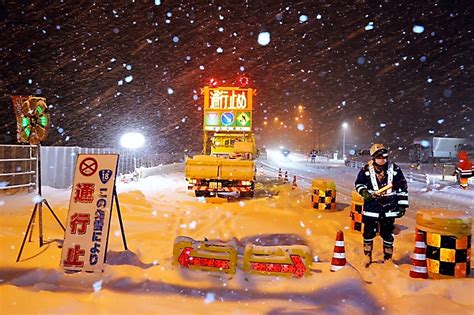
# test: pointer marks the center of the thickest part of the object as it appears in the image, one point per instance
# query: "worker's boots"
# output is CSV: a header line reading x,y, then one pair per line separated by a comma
x,y
368,245
387,252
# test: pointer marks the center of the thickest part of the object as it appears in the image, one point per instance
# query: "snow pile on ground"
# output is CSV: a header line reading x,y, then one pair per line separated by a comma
x,y
157,209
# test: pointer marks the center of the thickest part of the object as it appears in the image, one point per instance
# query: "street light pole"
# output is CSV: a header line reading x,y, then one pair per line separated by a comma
x,y
344,127
344,144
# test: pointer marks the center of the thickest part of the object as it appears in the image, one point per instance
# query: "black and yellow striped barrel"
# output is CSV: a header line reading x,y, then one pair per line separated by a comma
x,y
357,206
324,194
448,242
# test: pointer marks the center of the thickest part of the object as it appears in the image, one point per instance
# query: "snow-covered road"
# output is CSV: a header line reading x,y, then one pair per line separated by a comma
x,y
434,194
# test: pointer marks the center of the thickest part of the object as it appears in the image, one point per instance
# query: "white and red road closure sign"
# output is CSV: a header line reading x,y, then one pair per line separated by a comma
x,y
90,207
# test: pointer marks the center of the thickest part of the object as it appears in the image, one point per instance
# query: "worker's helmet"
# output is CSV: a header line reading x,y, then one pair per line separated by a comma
x,y
378,149
462,155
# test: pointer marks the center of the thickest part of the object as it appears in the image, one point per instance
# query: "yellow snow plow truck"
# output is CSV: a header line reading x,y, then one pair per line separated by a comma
x,y
226,164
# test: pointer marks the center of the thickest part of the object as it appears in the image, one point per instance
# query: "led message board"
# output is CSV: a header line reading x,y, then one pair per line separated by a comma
x,y
227,108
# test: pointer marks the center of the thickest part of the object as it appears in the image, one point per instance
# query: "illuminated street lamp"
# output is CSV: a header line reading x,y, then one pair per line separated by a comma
x,y
344,127
132,141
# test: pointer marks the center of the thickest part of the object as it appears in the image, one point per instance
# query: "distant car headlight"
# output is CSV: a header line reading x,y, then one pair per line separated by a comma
x,y
285,152
425,143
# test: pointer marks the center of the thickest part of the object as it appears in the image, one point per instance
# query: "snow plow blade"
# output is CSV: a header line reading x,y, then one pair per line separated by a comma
x,y
209,167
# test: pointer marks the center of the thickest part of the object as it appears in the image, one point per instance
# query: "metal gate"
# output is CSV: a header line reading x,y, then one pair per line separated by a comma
x,y
18,166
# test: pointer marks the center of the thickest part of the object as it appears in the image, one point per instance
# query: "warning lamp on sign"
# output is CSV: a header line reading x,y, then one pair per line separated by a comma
x,y
32,118
244,81
213,82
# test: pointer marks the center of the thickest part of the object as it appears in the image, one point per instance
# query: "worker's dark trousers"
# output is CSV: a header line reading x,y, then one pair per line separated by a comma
x,y
383,226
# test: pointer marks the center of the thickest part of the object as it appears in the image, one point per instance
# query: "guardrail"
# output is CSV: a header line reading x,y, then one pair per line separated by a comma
x,y
354,164
418,177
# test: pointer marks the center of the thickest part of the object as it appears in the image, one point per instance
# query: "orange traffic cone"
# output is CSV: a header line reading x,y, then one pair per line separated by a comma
x,y
418,261
339,257
285,180
294,184
279,173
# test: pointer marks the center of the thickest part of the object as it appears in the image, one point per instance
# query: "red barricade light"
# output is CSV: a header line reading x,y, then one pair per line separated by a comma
x,y
244,81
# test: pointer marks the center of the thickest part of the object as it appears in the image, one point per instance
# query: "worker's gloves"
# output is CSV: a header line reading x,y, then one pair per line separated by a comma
x,y
366,195
401,212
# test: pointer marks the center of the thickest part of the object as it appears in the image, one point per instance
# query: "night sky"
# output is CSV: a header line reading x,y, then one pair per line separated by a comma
x,y
393,71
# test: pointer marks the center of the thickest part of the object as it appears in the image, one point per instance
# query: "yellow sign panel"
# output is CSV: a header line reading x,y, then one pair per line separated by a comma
x,y
206,256
291,261
228,98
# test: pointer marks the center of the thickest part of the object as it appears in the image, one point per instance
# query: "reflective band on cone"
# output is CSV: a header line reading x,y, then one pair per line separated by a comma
x,y
420,244
336,268
418,256
339,257
418,268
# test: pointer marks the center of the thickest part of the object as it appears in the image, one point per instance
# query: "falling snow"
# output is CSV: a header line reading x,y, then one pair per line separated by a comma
x,y
264,38
303,18
418,29
131,61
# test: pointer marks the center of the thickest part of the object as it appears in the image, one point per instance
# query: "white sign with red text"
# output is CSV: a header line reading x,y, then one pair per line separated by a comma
x,y
90,207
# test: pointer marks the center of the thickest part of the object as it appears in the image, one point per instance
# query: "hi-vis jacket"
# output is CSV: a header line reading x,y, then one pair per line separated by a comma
x,y
394,198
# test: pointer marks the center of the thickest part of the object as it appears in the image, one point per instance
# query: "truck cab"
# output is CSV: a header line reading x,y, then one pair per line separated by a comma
x,y
233,145
436,149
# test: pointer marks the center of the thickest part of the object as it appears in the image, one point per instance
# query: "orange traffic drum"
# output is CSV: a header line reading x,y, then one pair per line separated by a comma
x,y
448,242
324,194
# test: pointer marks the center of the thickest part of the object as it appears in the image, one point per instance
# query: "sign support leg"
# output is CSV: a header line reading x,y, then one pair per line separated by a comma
x,y
31,230
38,207
27,231
117,205
40,222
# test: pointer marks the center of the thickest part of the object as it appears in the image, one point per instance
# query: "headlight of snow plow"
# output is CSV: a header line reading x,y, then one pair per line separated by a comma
x,y
245,183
